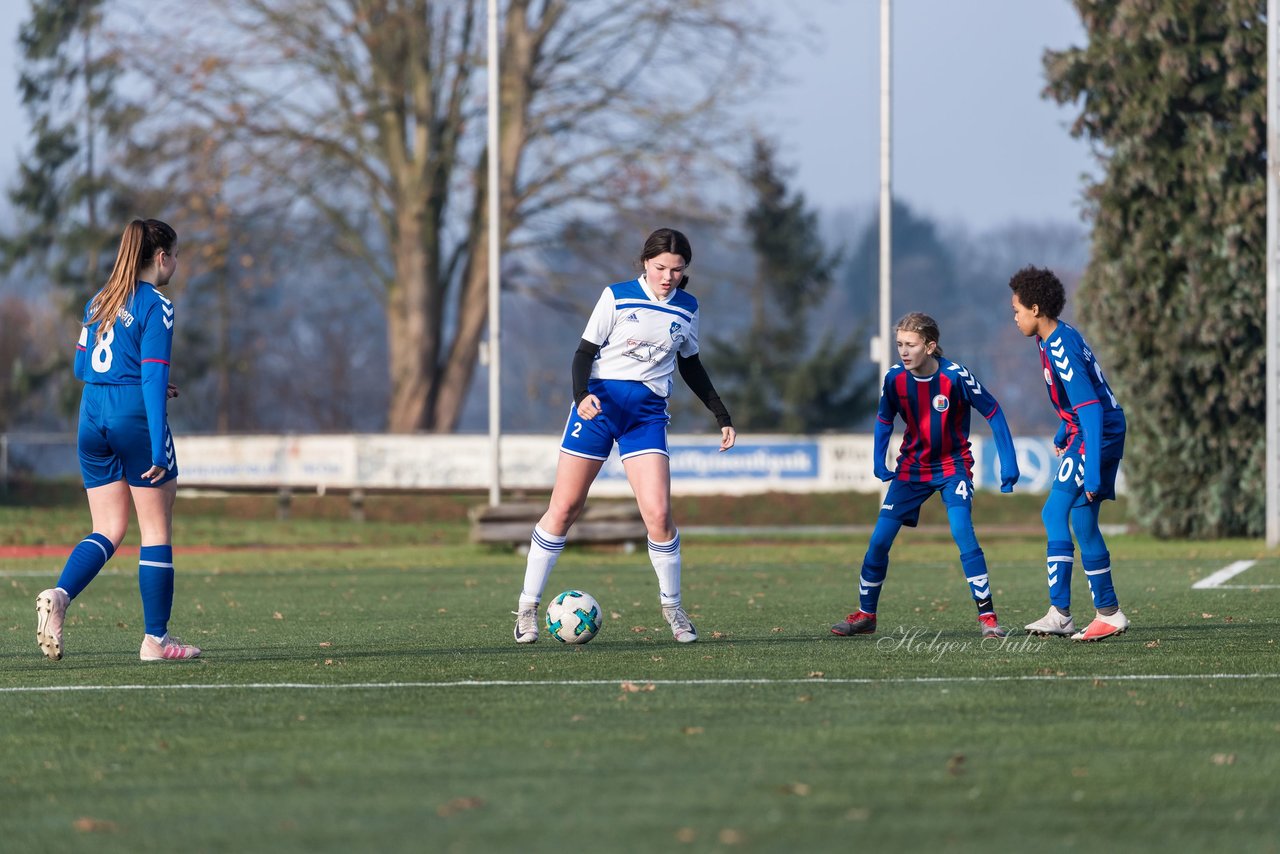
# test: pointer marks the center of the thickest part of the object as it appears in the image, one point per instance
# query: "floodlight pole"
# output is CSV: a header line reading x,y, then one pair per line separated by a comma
x,y
884,342
495,258
1273,277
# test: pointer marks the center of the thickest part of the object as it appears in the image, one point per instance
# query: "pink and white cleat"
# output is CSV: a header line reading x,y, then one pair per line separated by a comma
x,y
1103,627
51,611
167,648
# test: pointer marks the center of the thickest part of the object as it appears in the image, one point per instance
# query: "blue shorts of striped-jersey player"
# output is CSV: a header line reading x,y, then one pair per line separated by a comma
x,y
904,498
1070,476
113,438
630,414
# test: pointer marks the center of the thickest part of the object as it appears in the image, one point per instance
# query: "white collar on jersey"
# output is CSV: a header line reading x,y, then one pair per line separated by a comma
x,y
644,283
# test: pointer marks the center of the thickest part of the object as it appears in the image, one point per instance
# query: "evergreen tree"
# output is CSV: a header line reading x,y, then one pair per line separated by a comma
x,y
70,198
1173,93
775,372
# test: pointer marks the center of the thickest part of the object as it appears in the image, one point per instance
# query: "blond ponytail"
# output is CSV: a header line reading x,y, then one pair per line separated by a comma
x,y
139,244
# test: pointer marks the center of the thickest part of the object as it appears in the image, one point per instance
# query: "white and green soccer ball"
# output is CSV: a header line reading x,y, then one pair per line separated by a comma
x,y
573,617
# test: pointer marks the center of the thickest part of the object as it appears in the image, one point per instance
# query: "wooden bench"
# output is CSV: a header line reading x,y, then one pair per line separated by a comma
x,y
614,522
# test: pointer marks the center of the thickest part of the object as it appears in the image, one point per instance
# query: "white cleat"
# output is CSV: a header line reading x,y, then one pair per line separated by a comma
x,y
681,629
167,648
1103,627
1052,623
51,611
526,625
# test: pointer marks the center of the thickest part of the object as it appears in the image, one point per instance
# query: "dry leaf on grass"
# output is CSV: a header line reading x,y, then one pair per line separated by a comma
x,y
633,688
85,824
458,805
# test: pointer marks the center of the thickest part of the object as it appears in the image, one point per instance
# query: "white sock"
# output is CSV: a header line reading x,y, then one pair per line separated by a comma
x,y
544,551
666,563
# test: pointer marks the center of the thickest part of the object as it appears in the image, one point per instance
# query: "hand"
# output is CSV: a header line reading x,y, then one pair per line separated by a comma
x,y
882,472
1057,451
155,474
171,392
1007,480
589,407
727,437
1090,496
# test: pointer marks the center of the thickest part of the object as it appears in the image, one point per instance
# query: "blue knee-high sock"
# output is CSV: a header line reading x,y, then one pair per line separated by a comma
x,y
1060,558
875,565
155,582
1097,568
1094,556
1061,553
84,563
975,572
972,560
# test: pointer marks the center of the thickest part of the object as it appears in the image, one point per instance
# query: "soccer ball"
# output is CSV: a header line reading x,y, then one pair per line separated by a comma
x,y
573,617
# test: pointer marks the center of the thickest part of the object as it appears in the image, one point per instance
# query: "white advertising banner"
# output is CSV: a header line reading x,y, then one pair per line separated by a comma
x,y
758,464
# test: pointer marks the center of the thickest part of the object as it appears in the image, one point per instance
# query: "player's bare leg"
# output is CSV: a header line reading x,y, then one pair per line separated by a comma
x,y
650,479
109,510
574,476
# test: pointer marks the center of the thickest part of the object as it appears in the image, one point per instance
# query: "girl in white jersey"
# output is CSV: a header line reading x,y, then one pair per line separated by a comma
x,y
640,332
125,447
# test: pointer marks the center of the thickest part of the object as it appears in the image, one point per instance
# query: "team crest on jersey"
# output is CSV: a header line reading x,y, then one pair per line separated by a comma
x,y
676,335
1048,377
940,403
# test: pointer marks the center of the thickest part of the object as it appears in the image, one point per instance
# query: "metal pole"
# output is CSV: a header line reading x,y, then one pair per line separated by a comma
x,y
883,343
1273,280
886,191
495,257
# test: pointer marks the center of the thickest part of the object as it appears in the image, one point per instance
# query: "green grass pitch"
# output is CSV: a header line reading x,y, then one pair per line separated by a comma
x,y
370,698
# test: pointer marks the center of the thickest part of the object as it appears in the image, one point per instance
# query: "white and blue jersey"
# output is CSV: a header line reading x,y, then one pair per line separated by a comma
x,y
124,426
640,337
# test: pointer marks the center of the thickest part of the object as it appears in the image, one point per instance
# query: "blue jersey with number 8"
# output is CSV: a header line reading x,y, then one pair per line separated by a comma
x,y
134,350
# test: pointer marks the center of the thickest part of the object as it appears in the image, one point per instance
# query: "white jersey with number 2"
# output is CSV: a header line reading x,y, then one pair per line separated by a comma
x,y
640,335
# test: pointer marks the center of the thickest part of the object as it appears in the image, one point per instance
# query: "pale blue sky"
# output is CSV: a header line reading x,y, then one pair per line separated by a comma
x,y
974,143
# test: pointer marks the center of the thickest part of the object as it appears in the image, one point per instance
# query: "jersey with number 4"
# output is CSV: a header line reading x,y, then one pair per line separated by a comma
x,y
640,335
1075,379
142,334
935,410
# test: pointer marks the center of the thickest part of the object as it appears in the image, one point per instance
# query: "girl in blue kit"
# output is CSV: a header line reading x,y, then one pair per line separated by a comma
x,y
639,334
1090,443
126,449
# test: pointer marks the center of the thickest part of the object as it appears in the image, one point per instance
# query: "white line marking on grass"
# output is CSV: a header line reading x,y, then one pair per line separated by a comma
x,y
517,683
1247,587
1225,574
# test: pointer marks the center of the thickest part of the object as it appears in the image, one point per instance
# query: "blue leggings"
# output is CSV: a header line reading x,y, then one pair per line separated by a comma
x,y
875,565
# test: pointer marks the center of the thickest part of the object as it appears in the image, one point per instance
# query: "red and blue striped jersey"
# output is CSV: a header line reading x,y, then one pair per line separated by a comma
x,y
1075,380
935,411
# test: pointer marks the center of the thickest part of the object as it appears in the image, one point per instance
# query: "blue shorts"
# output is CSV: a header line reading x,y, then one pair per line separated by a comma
x,y
630,414
113,438
905,497
1070,476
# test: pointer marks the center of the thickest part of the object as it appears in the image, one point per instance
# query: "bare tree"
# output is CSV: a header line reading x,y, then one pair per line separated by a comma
x,y
370,113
